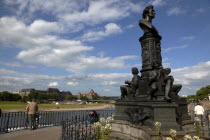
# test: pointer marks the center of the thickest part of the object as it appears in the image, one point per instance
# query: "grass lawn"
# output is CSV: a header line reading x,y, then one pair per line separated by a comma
x,y
5,105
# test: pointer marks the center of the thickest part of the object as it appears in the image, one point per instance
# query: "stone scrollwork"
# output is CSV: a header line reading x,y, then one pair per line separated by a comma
x,y
137,115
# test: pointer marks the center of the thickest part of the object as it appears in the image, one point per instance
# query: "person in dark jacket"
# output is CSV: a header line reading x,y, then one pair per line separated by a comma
x,y
93,116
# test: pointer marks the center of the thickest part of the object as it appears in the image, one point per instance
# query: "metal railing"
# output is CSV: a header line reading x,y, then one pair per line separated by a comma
x,y
19,120
80,128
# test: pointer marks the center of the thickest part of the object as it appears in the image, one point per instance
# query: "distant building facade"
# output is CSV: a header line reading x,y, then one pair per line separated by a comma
x,y
90,95
25,92
62,95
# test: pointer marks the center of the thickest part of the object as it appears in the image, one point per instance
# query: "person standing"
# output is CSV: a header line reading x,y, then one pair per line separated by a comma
x,y
199,111
32,110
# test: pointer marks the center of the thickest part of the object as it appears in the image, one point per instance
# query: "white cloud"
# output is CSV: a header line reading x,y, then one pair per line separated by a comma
x,y
110,83
53,84
76,14
14,81
200,10
92,62
175,11
110,29
107,90
174,48
16,64
157,2
40,47
130,26
193,77
101,11
188,37
43,27
72,83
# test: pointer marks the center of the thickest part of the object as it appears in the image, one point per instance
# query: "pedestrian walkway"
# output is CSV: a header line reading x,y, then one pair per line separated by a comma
x,y
47,133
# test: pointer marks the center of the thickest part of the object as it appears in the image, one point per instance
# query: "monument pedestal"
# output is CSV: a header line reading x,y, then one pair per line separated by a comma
x,y
158,111
124,130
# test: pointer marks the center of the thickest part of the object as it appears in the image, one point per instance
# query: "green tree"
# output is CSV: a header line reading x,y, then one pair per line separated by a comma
x,y
33,95
71,97
203,92
53,96
24,99
84,98
7,96
16,97
42,96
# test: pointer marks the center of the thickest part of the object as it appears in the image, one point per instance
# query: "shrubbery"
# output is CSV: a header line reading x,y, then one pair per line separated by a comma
x,y
6,96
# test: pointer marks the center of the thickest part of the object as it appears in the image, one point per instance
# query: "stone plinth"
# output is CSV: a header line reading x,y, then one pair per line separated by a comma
x,y
151,52
159,111
124,130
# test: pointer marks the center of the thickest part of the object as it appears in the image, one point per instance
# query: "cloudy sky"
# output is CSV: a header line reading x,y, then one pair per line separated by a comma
x,y
78,45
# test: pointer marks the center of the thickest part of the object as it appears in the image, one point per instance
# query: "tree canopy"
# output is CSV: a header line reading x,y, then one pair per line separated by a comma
x,y
203,92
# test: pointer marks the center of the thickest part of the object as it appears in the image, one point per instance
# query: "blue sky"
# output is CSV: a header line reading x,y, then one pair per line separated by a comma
x,y
78,45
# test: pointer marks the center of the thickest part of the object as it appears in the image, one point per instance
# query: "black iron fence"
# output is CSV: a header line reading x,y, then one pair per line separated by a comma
x,y
19,120
80,128
77,128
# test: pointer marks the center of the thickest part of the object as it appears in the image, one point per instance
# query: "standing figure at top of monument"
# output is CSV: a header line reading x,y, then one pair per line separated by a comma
x,y
146,22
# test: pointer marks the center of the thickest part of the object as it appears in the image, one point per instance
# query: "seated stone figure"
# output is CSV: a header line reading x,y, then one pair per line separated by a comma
x,y
160,81
171,91
129,90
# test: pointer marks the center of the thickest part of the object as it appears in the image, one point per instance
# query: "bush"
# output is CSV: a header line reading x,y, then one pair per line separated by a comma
x,y
7,96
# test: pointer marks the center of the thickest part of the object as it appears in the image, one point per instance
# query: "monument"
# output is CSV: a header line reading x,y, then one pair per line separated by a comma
x,y
150,97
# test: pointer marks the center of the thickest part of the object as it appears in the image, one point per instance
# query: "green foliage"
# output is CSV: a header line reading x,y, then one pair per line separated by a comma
x,y
24,99
203,92
71,97
84,98
200,94
53,96
42,96
33,95
7,96
101,98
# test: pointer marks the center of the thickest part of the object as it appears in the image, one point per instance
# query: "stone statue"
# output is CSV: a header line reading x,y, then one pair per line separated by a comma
x,y
170,89
146,23
129,90
152,96
150,41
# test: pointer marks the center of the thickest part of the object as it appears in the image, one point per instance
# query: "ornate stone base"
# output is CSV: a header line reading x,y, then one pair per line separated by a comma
x,y
158,111
124,130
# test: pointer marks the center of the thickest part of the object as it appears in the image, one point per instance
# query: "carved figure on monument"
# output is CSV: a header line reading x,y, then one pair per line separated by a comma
x,y
129,90
170,89
161,83
146,23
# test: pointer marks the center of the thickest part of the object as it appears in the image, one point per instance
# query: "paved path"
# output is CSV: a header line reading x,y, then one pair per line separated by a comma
x,y
48,133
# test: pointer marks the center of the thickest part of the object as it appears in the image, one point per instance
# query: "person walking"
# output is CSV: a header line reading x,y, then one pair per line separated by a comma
x,y
32,110
191,108
199,111
0,112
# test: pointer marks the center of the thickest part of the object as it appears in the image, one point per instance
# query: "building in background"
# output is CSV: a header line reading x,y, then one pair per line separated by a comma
x,y
90,95
25,92
61,94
